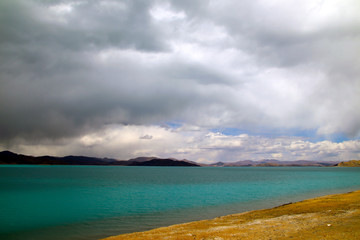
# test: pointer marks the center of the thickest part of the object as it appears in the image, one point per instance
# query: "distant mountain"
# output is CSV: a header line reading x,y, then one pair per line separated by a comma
x,y
273,163
219,164
245,163
155,161
164,162
142,159
7,157
351,163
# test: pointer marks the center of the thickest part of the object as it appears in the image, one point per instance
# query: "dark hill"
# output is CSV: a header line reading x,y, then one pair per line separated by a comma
x,y
142,159
7,157
164,162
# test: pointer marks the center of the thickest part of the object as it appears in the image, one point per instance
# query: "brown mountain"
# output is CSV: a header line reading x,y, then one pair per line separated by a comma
x,y
351,163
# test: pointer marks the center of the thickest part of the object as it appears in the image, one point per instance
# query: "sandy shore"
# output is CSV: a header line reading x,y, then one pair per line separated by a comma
x,y
329,217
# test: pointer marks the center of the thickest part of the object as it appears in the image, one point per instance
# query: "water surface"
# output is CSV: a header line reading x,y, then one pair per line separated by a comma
x,y
91,202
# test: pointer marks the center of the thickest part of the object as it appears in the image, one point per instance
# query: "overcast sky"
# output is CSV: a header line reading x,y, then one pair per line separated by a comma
x,y
204,80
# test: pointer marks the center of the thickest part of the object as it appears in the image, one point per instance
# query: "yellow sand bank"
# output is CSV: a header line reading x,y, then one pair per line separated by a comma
x,y
329,217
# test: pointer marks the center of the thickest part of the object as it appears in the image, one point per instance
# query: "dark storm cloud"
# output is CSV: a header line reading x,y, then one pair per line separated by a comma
x,y
69,67
53,87
47,74
88,24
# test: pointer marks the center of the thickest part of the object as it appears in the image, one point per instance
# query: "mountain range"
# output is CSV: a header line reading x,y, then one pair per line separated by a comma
x,y
7,157
274,163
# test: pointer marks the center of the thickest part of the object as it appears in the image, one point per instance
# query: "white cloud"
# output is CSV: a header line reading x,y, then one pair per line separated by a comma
x,y
164,12
63,8
124,142
70,68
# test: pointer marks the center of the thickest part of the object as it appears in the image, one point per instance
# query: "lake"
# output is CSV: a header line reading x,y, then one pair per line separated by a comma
x,y
92,202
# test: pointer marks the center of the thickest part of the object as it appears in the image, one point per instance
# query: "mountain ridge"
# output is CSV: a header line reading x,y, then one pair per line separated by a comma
x,y
274,163
351,163
8,157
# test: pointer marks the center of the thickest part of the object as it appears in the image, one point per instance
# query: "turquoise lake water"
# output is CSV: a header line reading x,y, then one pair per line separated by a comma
x,y
92,202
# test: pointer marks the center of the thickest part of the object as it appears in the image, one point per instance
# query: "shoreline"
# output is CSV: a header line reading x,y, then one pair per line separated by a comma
x,y
334,216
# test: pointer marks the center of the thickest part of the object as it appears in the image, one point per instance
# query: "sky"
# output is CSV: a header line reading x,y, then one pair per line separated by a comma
x,y
203,80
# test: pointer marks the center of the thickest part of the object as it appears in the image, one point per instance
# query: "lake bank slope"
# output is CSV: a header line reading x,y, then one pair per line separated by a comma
x,y
351,163
329,217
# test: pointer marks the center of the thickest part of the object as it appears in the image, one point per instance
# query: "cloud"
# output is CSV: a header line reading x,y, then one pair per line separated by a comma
x,y
69,68
124,142
146,137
